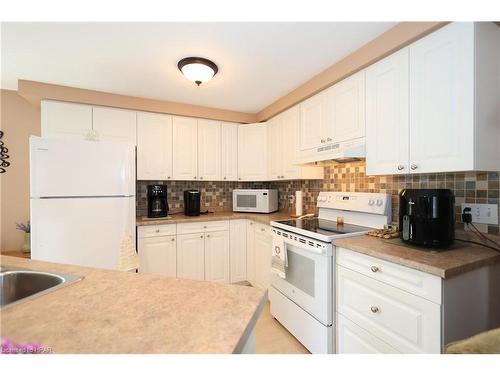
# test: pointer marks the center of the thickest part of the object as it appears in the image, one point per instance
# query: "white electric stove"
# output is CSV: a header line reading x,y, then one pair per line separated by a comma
x,y
303,301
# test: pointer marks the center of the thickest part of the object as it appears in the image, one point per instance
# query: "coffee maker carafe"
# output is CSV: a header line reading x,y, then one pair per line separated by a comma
x,y
157,201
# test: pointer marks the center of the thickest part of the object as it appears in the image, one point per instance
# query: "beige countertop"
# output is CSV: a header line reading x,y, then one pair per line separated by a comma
x,y
124,312
224,215
461,258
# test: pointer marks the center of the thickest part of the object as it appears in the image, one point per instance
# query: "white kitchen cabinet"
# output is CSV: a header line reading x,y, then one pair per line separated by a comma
x,y
209,150
313,121
387,131
352,339
250,241
65,120
185,148
262,250
158,255
154,146
229,143
346,109
114,124
238,250
252,152
217,256
191,256
282,145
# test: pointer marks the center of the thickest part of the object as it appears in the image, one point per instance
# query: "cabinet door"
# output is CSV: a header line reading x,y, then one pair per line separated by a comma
x,y
65,120
238,250
346,109
251,252
263,245
387,132
158,256
154,146
217,256
313,121
289,131
185,148
275,147
229,170
191,256
442,100
113,124
352,339
209,150
252,152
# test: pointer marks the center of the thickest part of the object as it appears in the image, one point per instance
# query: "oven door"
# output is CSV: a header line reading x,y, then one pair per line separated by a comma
x,y
308,279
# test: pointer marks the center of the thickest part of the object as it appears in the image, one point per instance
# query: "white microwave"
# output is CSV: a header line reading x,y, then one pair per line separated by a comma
x,y
255,200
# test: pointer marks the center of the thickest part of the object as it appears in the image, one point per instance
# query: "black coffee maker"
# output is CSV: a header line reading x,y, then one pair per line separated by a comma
x,y
192,200
427,217
157,201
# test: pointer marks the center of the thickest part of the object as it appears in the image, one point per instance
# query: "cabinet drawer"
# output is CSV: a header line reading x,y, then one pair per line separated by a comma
x,y
156,230
352,339
408,323
202,226
416,282
263,229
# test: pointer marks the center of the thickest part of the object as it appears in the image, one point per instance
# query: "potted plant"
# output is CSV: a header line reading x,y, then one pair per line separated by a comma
x,y
26,228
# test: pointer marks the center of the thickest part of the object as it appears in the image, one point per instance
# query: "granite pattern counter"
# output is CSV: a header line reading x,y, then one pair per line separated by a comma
x,y
123,312
225,215
466,257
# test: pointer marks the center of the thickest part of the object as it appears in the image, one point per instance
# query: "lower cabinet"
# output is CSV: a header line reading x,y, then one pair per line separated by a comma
x,y
262,251
158,256
250,237
238,250
217,256
191,256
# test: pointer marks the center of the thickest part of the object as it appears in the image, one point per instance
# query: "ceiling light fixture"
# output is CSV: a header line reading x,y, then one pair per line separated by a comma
x,y
197,69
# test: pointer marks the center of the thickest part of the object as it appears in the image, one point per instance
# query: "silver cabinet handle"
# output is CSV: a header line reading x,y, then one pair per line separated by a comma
x,y
329,139
157,231
201,236
282,176
374,309
194,177
205,226
224,178
173,239
414,166
401,167
168,177
323,140
239,178
201,178
374,268
208,236
262,229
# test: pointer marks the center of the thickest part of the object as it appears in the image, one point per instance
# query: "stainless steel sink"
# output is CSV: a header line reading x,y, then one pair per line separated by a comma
x,y
17,284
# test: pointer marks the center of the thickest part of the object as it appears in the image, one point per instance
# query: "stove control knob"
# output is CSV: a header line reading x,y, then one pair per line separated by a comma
x,y
371,202
379,202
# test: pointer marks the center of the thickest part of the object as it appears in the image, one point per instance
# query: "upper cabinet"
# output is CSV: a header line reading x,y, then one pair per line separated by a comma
x,y
65,120
209,150
252,152
114,124
154,146
229,152
282,145
387,142
332,122
433,106
185,148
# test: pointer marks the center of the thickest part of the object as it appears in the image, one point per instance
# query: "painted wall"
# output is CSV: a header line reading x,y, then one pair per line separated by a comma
x,y
20,119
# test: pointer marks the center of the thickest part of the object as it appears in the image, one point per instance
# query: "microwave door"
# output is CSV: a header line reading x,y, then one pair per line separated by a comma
x,y
247,202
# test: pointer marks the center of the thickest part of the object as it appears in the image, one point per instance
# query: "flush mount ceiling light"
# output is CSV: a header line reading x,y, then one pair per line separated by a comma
x,y
197,69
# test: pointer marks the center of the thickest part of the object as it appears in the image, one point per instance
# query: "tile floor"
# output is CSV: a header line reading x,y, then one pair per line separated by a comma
x,y
273,338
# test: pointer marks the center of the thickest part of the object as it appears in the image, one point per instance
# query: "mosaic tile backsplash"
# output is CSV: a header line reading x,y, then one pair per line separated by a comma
x,y
468,187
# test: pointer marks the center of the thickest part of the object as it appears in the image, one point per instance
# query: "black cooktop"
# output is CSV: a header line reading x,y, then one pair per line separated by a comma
x,y
324,227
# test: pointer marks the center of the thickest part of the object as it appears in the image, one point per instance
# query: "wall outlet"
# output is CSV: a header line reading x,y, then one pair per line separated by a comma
x,y
483,213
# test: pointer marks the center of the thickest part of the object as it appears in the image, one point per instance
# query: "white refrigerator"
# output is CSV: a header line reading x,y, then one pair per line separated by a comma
x,y
82,198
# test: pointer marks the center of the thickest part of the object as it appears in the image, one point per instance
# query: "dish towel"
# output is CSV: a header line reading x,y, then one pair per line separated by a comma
x,y
129,260
279,260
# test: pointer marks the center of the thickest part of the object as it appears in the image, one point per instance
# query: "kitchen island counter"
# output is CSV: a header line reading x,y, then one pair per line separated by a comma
x,y
124,312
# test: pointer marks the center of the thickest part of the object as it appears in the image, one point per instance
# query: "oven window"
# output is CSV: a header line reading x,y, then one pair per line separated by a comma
x,y
300,272
246,201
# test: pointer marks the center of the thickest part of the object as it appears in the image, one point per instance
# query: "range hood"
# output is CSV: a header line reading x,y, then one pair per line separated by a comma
x,y
341,152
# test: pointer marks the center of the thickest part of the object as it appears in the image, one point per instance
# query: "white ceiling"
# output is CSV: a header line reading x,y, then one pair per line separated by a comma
x,y
258,62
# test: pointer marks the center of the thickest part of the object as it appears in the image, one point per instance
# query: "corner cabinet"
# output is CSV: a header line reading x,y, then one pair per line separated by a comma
x,y
252,152
432,107
154,146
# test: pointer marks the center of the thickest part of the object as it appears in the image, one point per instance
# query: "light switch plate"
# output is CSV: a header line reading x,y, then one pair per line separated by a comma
x,y
483,213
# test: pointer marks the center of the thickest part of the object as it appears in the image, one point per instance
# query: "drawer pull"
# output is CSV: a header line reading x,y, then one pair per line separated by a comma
x,y
173,239
157,231
208,236
374,309
374,268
